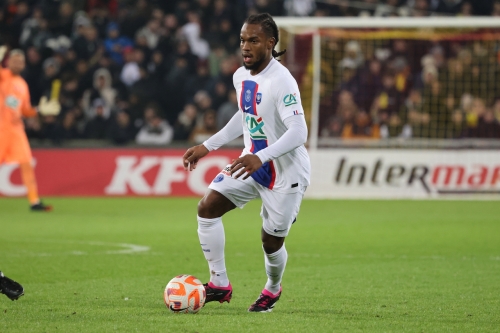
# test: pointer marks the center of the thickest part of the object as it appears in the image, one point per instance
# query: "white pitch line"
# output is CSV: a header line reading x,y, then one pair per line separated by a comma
x,y
125,248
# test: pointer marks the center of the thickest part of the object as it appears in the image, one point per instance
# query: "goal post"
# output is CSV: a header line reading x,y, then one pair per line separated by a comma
x,y
416,81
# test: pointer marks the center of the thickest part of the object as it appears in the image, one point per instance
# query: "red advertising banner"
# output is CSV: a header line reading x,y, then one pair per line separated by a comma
x,y
116,172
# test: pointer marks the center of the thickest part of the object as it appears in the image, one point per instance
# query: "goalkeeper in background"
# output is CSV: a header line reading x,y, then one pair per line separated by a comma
x,y
15,104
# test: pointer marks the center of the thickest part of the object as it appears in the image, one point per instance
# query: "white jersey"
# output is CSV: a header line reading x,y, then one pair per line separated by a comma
x,y
265,100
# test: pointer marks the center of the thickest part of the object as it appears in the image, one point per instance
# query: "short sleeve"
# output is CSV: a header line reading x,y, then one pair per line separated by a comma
x,y
287,97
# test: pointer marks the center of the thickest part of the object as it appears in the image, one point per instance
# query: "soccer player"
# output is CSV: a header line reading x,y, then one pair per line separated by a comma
x,y
10,288
274,164
14,104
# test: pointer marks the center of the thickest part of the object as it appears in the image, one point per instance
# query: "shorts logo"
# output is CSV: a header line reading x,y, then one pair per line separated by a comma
x,y
258,98
248,95
218,179
227,171
290,99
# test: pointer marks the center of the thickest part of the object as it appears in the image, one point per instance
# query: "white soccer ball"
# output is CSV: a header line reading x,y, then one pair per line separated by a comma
x,y
184,294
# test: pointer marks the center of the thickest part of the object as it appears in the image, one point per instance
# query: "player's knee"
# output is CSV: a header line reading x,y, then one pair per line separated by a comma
x,y
271,243
208,209
214,205
204,209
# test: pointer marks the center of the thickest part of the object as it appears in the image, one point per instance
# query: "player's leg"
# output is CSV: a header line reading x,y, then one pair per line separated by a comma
x,y
223,195
279,211
20,152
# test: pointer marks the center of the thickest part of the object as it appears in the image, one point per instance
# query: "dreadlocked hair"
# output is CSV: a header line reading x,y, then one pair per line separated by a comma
x,y
270,28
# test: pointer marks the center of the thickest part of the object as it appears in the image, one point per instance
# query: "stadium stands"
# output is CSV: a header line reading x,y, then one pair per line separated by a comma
x,y
132,69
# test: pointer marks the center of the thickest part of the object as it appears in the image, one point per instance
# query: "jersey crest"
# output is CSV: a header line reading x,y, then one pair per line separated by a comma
x,y
12,102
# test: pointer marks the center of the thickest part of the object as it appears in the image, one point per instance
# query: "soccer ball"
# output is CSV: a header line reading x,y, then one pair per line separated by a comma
x,y
184,294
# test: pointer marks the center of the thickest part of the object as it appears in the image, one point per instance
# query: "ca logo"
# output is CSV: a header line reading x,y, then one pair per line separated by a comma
x,y
289,100
255,128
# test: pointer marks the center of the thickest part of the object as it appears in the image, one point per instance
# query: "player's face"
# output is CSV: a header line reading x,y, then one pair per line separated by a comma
x,y
16,63
256,47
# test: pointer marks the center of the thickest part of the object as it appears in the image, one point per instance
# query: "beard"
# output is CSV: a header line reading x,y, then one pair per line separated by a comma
x,y
255,65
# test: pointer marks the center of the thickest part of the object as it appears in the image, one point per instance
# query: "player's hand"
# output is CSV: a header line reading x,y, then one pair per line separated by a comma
x,y
245,164
3,51
192,156
49,107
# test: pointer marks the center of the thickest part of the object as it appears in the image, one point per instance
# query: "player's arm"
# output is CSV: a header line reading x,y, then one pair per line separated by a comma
x,y
26,109
231,131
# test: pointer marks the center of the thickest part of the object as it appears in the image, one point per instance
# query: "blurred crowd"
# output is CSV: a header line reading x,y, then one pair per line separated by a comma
x,y
412,88
152,72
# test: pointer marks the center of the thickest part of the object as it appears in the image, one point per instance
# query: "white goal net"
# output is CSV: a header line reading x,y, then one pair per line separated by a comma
x,y
397,81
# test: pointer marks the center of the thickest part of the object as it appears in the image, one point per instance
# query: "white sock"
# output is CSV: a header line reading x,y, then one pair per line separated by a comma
x,y
275,267
212,240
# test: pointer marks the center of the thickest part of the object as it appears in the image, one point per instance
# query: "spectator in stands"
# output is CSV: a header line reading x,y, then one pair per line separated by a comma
x,y
206,129
86,45
496,109
466,9
474,114
156,131
64,25
496,9
353,55
151,33
157,67
121,130
334,128
203,101
370,83
201,80
40,35
50,73
299,7
115,44
387,9
360,128
191,32
30,27
227,110
417,119
387,104
101,90
130,72
219,93
32,73
488,127
69,128
435,106
98,125
69,94
145,88
186,122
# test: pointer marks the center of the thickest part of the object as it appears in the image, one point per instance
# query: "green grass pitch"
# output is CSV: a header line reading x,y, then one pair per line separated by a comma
x,y
101,265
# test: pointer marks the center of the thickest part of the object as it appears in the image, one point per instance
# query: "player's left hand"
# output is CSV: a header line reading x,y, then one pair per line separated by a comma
x,y
245,164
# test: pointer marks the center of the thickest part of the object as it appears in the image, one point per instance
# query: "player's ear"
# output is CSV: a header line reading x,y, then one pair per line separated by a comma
x,y
271,42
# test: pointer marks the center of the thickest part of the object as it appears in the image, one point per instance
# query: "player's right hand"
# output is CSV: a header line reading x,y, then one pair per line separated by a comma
x,y
3,51
193,155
